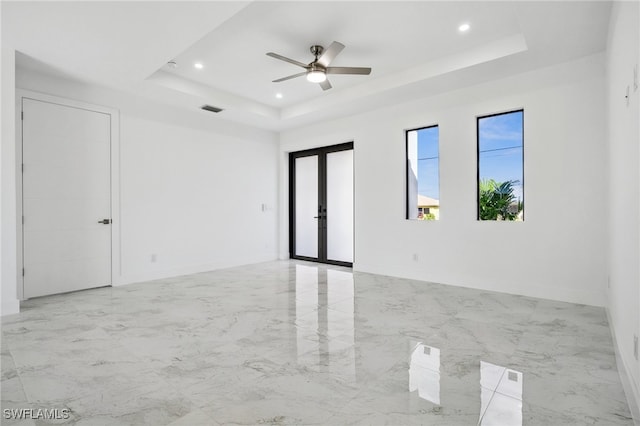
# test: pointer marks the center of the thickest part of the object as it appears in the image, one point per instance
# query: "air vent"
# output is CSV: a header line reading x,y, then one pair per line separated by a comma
x,y
211,108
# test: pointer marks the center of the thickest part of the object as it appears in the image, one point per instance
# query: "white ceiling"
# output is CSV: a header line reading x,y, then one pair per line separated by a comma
x,y
414,49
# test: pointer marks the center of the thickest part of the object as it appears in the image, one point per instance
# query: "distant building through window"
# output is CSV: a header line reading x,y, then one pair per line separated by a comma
x,y
423,173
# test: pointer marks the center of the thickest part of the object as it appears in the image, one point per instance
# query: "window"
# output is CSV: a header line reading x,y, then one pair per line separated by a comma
x,y
501,166
423,174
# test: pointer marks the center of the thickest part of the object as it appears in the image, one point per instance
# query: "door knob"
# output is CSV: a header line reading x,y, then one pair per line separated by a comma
x,y
105,221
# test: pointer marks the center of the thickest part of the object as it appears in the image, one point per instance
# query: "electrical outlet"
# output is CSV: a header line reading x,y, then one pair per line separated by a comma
x,y
415,257
635,346
627,96
154,258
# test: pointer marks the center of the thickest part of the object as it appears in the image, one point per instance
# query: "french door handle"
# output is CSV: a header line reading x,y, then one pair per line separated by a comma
x,y
105,221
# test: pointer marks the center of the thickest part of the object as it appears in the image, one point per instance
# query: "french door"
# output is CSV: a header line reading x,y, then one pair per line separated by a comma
x,y
321,204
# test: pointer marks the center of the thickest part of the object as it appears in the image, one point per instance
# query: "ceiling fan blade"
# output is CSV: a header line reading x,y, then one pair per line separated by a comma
x,y
300,74
330,53
284,58
325,85
349,70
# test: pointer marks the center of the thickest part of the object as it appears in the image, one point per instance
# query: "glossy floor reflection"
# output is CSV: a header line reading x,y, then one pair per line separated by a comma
x,y
299,343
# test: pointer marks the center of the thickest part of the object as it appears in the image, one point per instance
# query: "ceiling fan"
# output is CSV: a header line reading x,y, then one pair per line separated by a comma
x,y
317,70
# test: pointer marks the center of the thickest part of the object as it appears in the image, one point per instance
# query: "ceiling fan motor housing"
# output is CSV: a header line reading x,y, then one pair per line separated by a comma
x,y
316,50
313,66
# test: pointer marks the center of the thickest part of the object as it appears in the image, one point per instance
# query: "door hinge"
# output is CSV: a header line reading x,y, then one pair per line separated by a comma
x,y
21,115
23,220
23,272
22,167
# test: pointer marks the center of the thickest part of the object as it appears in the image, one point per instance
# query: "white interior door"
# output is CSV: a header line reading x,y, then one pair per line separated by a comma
x,y
66,194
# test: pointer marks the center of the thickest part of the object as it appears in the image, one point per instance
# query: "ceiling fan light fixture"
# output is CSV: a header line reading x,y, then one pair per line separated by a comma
x,y
316,71
316,76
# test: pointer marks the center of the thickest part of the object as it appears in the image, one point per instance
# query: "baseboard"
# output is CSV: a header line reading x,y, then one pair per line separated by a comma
x,y
137,277
630,389
10,307
284,256
538,291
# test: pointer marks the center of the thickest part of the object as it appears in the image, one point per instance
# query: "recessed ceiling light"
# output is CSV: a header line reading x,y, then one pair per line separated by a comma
x,y
198,65
279,95
172,64
464,28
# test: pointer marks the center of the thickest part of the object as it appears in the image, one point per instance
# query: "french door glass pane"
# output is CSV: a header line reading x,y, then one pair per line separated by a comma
x,y
306,193
340,206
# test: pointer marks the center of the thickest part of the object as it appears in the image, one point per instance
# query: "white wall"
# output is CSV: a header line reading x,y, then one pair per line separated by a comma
x,y
8,216
624,189
191,186
557,253
194,199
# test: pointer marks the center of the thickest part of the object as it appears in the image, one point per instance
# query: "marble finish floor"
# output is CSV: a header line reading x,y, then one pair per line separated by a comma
x,y
299,343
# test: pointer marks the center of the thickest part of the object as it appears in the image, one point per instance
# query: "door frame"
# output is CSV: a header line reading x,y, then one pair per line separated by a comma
x,y
321,152
115,177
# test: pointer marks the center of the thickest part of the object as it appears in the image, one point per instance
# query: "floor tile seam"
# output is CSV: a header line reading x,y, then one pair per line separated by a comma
x,y
326,332
63,402
44,315
340,300
53,327
582,371
497,392
368,389
495,324
532,312
136,388
22,369
197,406
21,344
38,345
493,394
309,352
207,414
544,407
24,393
538,403
65,362
126,385
420,367
553,358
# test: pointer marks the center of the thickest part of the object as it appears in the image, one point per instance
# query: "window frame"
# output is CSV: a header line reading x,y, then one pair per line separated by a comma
x,y
406,164
478,118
